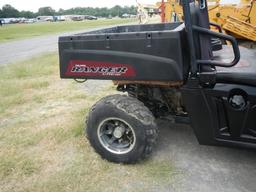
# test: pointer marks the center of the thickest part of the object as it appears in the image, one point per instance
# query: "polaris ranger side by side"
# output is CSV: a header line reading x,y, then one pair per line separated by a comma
x,y
181,70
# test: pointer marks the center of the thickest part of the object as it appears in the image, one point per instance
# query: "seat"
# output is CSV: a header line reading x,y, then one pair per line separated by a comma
x,y
242,73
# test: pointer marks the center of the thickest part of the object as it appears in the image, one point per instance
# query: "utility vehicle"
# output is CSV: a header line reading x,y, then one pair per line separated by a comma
x,y
180,70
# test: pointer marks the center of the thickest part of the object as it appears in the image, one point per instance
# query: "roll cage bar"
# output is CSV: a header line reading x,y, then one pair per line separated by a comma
x,y
191,29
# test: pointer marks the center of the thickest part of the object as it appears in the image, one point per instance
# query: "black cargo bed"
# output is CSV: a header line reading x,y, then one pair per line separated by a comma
x,y
133,52
135,28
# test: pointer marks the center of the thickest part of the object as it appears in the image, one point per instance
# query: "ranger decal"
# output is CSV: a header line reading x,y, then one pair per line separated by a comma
x,y
84,68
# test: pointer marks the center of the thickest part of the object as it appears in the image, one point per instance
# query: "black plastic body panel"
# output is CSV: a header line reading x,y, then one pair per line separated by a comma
x,y
153,52
215,121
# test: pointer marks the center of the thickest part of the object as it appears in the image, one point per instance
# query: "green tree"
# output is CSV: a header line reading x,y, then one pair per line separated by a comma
x,y
27,14
99,12
116,11
47,11
61,11
9,11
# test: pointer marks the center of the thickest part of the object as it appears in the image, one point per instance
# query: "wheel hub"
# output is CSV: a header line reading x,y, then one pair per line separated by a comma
x,y
118,132
116,135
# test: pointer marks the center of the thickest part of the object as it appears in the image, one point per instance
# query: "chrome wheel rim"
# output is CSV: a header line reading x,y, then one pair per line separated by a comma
x,y
116,135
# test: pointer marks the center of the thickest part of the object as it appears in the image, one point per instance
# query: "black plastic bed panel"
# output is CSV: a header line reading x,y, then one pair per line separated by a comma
x,y
135,52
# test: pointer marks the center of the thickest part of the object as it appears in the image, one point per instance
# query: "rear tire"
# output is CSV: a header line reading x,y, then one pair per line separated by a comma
x,y
121,129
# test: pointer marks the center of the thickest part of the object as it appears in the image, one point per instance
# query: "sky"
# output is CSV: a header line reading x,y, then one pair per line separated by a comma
x,y
33,5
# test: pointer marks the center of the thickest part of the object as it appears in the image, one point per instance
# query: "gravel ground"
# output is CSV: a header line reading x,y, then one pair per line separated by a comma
x,y
205,168
26,48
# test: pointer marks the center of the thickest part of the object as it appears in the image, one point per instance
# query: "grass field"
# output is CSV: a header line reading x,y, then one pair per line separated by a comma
x,y
21,31
42,141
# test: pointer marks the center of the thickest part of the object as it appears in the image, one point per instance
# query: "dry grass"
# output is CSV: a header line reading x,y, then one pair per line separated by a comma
x,y
42,141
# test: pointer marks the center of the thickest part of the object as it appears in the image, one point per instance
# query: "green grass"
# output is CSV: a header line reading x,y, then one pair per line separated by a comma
x,y
42,141
22,31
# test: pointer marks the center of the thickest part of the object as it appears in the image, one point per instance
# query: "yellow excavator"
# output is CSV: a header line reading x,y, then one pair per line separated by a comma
x,y
238,20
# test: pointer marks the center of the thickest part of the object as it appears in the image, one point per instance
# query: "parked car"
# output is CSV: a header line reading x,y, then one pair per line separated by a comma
x,y
90,17
9,20
126,15
77,18
30,21
61,18
44,18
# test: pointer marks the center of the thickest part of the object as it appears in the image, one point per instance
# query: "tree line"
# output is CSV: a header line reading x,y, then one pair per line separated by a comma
x,y
8,11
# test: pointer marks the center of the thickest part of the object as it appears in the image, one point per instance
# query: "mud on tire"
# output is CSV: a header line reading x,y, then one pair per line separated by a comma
x,y
121,129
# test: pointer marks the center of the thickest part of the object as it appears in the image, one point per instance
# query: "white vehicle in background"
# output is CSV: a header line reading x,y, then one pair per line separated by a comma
x,y
44,18
30,21
17,20
60,18
8,20
22,19
126,15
